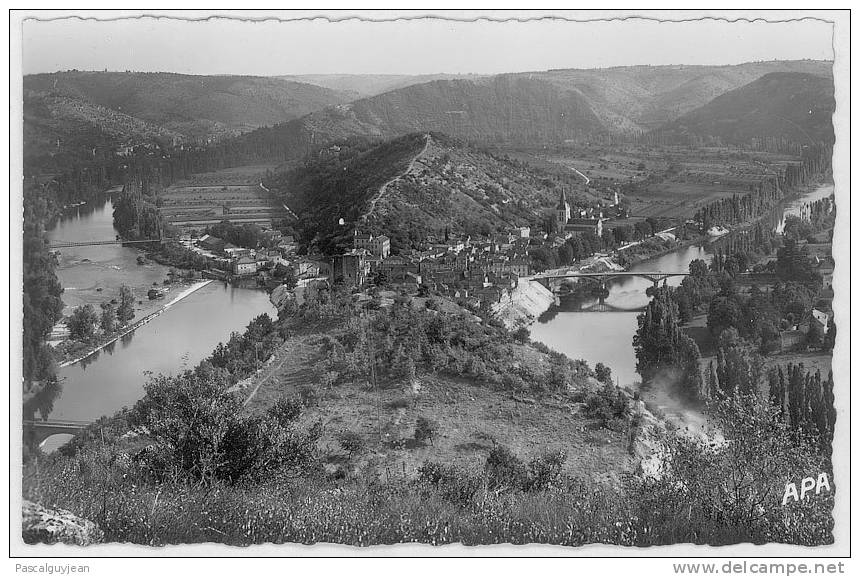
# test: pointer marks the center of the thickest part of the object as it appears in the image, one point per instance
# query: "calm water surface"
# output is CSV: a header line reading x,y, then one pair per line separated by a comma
x,y
181,337
189,331
607,337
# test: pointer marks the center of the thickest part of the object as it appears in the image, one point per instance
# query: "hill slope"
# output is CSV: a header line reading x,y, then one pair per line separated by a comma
x,y
196,106
414,187
534,108
791,105
644,97
547,106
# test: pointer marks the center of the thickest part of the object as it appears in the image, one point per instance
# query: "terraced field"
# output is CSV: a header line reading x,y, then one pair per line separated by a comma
x,y
234,194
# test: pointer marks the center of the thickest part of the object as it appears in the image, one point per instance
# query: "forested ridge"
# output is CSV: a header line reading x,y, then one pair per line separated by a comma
x,y
792,105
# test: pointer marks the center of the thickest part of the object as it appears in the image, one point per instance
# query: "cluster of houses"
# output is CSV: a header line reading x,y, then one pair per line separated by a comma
x,y
475,270
230,261
472,270
478,271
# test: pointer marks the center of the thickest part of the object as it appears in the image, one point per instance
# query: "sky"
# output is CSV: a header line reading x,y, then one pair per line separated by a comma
x,y
427,46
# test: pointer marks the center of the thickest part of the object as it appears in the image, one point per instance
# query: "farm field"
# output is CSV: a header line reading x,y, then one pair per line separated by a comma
x,y
665,181
676,199
233,194
815,361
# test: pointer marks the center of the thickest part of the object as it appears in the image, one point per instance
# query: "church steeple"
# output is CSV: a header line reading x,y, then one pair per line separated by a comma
x,y
562,201
562,211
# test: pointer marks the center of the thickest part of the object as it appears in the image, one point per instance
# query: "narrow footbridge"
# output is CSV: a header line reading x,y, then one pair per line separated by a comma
x,y
41,430
604,277
67,244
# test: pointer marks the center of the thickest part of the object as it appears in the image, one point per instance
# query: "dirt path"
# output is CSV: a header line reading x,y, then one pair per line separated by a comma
x,y
587,180
292,367
273,367
384,187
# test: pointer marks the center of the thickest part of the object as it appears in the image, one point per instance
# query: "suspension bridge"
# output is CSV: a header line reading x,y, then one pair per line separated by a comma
x,y
68,244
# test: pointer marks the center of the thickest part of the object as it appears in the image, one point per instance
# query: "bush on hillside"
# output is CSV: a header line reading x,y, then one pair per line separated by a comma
x,y
199,433
607,404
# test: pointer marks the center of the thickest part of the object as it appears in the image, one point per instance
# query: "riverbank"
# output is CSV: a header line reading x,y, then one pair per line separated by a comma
x,y
134,326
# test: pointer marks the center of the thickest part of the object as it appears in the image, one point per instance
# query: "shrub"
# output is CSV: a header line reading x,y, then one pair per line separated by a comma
x,y
606,404
351,442
198,431
454,484
401,403
257,446
285,410
603,373
545,470
425,429
504,470
309,395
521,335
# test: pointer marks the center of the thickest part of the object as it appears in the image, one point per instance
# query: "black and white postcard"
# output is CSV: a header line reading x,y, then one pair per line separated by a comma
x,y
421,283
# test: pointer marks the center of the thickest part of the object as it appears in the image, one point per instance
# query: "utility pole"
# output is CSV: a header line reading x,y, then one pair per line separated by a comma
x,y
374,384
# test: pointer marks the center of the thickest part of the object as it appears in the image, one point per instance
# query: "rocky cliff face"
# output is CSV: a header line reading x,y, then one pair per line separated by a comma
x,y
43,525
282,297
524,304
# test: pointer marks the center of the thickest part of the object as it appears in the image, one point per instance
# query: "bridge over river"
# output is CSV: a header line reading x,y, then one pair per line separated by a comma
x,y
67,244
605,277
654,277
41,430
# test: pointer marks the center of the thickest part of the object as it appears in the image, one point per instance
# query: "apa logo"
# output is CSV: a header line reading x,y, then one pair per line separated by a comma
x,y
806,485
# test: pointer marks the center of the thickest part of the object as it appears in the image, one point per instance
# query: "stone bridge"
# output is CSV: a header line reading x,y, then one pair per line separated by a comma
x,y
604,277
41,430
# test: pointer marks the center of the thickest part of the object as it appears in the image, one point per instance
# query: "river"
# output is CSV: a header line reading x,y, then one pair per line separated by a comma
x,y
607,336
181,337
188,331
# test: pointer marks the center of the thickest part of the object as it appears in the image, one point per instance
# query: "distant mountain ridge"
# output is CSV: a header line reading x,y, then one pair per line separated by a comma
x,y
195,106
790,105
366,85
285,120
651,95
543,107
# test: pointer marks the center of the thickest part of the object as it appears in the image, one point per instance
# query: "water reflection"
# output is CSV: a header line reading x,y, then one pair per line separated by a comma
x,y
180,337
581,329
584,328
125,340
42,402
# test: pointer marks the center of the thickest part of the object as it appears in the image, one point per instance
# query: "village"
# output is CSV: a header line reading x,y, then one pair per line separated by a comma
x,y
473,271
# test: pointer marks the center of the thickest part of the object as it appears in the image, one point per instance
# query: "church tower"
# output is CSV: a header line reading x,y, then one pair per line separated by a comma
x,y
562,211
